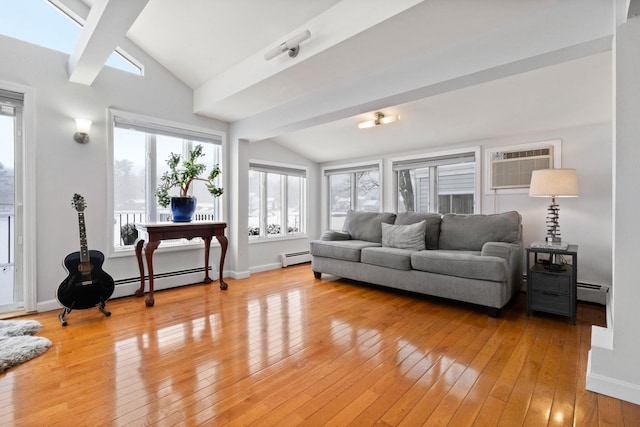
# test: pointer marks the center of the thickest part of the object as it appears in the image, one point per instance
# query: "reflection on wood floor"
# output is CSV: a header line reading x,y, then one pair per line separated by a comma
x,y
284,348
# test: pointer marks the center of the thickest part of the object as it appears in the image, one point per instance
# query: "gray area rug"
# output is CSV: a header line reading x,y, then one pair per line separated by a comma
x,y
16,343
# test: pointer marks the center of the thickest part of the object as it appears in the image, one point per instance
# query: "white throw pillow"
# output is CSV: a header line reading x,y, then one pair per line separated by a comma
x,y
404,236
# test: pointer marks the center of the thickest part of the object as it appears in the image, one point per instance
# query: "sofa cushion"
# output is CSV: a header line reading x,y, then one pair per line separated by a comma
x,y
348,250
366,225
461,264
398,259
470,232
409,237
433,225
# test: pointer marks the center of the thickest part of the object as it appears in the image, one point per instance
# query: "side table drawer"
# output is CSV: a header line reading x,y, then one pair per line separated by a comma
x,y
551,302
550,282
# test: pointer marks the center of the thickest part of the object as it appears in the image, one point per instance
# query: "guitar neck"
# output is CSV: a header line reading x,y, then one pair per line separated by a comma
x,y
84,252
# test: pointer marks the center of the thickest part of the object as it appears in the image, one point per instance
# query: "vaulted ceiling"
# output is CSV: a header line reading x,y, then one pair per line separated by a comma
x,y
454,70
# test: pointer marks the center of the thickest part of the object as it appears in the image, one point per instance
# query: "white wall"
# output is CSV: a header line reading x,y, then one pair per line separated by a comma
x,y
64,167
613,367
264,255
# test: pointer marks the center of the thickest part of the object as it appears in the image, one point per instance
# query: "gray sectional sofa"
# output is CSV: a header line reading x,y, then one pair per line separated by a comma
x,y
471,258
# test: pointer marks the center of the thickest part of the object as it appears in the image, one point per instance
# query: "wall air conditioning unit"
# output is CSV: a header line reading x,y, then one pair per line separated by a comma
x,y
512,169
295,258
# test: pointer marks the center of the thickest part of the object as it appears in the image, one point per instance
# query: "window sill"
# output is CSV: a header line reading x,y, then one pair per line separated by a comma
x,y
259,240
165,246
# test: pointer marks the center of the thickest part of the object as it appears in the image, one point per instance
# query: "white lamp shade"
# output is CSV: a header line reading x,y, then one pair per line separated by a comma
x,y
554,183
83,125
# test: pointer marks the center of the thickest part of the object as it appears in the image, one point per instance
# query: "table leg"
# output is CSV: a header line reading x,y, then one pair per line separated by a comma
x,y
223,252
535,260
149,247
139,243
207,247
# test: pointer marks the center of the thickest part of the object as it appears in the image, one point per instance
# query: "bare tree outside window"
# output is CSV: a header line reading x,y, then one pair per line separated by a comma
x,y
368,191
355,189
405,188
443,188
6,185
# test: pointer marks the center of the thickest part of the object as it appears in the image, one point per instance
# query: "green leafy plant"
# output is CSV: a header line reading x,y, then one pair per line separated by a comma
x,y
182,174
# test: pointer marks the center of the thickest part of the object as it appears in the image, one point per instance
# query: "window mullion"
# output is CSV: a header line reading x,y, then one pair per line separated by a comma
x,y
302,184
433,189
263,204
284,202
151,177
354,192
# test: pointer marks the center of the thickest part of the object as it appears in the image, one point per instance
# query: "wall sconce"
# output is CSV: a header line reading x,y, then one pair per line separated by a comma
x,y
292,46
83,126
380,119
553,183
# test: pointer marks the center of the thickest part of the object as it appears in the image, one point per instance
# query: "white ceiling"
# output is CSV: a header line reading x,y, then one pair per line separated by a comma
x,y
455,70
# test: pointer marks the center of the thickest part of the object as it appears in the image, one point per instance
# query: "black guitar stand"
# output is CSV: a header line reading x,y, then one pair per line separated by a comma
x,y
101,306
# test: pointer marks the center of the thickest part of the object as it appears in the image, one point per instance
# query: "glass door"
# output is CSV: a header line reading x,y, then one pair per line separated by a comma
x,y
11,290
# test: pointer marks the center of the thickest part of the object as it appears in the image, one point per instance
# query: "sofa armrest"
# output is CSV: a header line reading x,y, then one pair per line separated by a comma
x,y
512,252
499,249
335,235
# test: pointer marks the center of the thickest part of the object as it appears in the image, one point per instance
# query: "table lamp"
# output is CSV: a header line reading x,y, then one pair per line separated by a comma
x,y
553,183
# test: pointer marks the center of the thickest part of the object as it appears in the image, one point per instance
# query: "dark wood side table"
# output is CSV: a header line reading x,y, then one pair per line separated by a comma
x,y
158,231
552,288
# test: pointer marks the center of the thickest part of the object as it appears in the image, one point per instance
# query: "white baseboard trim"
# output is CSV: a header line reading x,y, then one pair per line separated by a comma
x,y
129,288
265,267
613,387
238,274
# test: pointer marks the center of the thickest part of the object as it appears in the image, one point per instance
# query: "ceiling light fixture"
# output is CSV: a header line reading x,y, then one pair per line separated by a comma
x,y
292,46
380,119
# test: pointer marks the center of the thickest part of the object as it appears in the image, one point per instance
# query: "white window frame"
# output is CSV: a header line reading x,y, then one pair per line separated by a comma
x,y
25,255
284,170
352,168
393,187
151,203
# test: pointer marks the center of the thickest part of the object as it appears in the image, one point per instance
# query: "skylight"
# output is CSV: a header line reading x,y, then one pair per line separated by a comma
x,y
41,23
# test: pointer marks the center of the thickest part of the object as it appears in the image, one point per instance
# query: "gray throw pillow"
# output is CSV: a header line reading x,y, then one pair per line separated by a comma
x,y
404,236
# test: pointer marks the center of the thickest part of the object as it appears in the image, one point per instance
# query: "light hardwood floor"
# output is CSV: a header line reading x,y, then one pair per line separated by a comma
x,y
284,348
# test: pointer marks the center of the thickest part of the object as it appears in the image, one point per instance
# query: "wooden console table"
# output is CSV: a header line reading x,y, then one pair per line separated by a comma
x,y
158,231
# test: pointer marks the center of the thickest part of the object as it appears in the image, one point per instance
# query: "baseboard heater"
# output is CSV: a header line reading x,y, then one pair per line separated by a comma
x,y
592,293
295,258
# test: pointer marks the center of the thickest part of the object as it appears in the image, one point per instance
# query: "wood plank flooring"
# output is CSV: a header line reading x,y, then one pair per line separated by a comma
x,y
283,348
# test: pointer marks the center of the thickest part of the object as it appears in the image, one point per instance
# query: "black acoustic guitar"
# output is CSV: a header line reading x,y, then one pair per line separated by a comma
x,y
87,285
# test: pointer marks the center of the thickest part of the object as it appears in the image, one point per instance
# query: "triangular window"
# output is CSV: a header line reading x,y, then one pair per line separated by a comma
x,y
41,22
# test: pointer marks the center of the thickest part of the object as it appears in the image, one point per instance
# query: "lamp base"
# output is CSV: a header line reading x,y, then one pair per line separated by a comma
x,y
553,226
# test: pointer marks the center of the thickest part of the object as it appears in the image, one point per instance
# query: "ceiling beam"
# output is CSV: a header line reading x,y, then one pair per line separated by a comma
x,y
104,29
339,23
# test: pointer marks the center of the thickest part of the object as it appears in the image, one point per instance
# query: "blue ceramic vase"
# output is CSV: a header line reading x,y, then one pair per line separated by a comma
x,y
182,208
